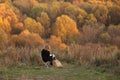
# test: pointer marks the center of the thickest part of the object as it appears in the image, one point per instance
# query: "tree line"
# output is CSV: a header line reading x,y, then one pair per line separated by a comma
x,y
32,22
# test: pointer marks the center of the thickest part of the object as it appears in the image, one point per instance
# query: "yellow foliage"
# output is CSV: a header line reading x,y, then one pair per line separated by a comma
x,y
8,14
65,28
90,19
8,18
5,25
33,26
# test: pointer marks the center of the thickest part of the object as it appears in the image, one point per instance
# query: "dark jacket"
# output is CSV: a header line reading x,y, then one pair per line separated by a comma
x,y
45,55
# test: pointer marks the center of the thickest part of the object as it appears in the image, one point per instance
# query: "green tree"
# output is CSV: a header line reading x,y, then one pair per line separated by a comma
x,y
37,9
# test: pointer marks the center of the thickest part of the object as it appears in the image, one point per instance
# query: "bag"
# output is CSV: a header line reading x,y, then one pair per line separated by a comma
x,y
57,63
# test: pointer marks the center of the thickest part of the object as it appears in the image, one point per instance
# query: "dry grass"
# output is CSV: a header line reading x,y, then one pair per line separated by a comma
x,y
94,54
14,56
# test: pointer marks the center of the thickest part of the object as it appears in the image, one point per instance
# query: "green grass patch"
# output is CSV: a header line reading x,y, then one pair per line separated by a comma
x,y
69,72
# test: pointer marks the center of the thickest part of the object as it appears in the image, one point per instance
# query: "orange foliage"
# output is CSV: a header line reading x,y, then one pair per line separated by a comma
x,y
9,20
57,44
8,14
18,27
27,39
77,2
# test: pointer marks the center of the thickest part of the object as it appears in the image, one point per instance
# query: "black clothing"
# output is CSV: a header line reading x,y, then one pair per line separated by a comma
x,y
45,55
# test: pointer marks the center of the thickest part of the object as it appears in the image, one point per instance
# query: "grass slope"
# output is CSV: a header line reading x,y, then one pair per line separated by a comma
x,y
69,72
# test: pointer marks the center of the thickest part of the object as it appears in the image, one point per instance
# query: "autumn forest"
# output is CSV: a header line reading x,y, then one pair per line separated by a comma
x,y
80,31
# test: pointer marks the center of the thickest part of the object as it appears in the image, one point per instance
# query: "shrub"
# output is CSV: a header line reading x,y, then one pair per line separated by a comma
x,y
114,30
9,57
35,57
45,21
90,19
92,32
23,5
101,13
87,7
105,38
114,13
18,28
66,29
33,26
37,9
54,11
27,39
57,44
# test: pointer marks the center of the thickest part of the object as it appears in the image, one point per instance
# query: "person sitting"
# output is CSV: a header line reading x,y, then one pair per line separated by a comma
x,y
47,57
